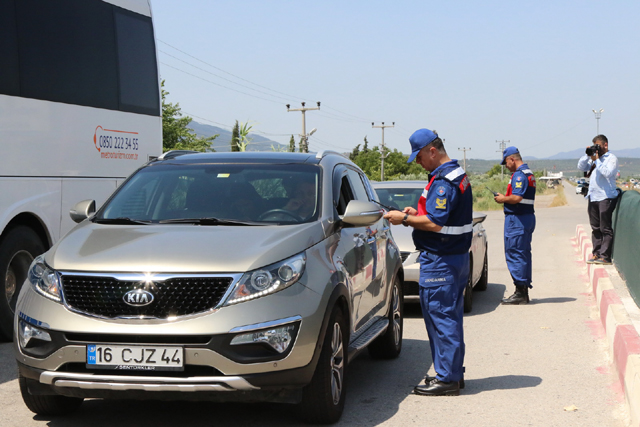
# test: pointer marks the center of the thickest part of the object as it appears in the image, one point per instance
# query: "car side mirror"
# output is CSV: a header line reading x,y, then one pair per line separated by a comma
x,y
82,210
360,213
478,218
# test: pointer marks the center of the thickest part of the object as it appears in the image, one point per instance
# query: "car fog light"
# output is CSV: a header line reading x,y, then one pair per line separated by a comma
x,y
279,338
27,332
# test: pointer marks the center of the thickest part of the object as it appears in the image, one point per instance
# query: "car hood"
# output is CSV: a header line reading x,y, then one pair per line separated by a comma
x,y
171,248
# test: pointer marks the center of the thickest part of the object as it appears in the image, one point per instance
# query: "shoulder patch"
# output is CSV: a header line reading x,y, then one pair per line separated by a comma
x,y
441,191
441,203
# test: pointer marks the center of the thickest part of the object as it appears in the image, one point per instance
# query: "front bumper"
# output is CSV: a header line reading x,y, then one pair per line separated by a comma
x,y
211,364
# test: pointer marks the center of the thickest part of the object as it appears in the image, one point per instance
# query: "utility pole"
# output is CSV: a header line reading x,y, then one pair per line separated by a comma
x,y
598,113
464,151
503,146
382,153
304,135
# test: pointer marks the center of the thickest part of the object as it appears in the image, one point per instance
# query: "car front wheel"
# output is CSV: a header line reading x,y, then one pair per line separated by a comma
x,y
47,404
323,399
484,276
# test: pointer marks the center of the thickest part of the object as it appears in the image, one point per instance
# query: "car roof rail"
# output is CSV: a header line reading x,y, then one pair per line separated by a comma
x,y
175,153
320,154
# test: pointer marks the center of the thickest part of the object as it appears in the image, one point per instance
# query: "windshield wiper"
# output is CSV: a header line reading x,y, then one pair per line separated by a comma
x,y
207,221
123,220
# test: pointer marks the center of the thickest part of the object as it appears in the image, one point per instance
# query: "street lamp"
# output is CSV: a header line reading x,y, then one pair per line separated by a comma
x,y
598,113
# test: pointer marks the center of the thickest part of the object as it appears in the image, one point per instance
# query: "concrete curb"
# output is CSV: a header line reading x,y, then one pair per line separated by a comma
x,y
617,316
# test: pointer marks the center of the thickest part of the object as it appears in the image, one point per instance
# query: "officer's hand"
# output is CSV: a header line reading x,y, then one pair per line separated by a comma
x,y
409,210
394,217
499,198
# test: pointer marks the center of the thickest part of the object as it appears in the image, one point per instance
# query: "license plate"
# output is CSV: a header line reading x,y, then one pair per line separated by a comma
x,y
134,357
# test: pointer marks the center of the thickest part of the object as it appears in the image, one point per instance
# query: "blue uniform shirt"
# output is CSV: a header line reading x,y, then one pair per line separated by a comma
x,y
447,201
522,184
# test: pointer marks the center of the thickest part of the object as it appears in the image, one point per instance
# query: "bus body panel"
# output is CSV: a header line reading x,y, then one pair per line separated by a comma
x,y
52,139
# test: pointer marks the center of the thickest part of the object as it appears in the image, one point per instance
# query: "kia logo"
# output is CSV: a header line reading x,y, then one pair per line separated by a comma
x,y
138,298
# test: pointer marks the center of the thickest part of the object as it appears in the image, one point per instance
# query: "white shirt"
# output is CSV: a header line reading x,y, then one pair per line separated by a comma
x,y
602,183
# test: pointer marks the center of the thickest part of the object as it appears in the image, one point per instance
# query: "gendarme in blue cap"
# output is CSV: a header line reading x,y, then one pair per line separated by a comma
x,y
420,139
509,151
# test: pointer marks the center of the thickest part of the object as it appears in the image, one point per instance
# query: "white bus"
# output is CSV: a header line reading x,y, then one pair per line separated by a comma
x,y
79,111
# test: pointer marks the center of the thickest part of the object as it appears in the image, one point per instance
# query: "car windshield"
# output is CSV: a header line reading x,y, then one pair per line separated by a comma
x,y
217,194
399,198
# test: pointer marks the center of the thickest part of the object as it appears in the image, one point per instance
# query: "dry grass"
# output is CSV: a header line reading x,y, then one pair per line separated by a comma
x,y
559,199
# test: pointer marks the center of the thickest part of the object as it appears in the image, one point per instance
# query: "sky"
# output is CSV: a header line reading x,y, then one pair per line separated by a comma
x,y
526,72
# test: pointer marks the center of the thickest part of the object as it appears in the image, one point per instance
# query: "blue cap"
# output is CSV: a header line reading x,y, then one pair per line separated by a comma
x,y
420,139
509,151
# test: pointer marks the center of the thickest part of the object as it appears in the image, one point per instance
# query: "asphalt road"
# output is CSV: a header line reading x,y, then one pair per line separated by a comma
x,y
525,365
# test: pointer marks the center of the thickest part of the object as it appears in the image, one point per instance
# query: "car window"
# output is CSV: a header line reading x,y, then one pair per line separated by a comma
x,y
346,195
360,193
399,198
265,193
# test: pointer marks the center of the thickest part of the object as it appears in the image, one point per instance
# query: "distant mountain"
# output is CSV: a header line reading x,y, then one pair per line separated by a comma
x,y
223,142
578,152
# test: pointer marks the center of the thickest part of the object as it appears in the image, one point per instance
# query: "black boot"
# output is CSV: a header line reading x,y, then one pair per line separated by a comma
x,y
428,379
520,296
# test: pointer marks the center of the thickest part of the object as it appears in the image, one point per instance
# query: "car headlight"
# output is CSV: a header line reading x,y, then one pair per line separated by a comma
x,y
44,280
267,280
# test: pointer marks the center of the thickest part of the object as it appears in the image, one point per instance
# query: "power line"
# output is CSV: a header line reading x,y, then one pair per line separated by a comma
x,y
382,153
226,72
217,84
223,78
464,151
503,146
304,135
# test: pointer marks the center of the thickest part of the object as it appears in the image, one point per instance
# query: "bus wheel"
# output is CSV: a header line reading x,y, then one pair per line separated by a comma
x,y
18,248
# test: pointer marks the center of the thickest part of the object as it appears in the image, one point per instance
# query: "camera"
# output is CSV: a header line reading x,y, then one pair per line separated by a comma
x,y
585,188
595,148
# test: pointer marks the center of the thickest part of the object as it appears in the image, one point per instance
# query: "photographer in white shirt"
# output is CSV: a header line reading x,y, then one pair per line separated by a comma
x,y
601,166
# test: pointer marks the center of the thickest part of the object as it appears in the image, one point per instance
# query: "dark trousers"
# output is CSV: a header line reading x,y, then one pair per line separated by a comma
x,y
601,219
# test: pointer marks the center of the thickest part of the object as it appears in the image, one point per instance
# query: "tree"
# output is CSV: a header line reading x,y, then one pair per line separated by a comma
x,y
354,154
365,149
235,137
244,140
495,170
292,145
176,135
395,164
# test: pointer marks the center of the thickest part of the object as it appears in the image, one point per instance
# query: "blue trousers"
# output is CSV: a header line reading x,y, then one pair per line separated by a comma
x,y
518,230
442,283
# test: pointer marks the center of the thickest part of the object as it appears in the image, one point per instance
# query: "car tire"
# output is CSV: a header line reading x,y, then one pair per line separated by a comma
x,y
468,290
323,398
48,404
18,248
483,282
389,344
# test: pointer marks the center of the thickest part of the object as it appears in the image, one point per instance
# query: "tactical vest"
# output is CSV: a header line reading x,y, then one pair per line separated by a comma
x,y
525,206
455,235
